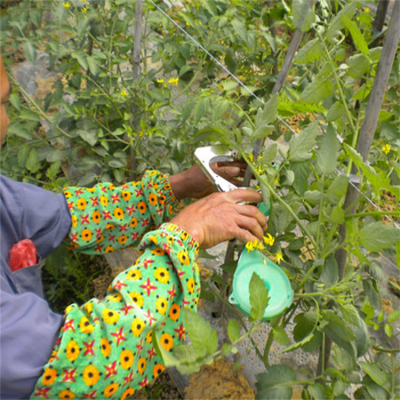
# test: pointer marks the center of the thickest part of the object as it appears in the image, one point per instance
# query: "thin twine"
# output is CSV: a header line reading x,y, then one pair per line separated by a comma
x,y
254,95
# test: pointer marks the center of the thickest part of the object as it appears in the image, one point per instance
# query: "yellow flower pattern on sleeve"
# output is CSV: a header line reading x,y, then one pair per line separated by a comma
x,y
106,218
104,349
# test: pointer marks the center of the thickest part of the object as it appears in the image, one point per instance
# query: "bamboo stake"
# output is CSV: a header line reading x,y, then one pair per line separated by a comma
x,y
287,63
365,141
135,74
380,16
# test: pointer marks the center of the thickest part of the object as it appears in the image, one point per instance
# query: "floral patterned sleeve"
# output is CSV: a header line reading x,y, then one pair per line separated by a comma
x,y
105,349
106,218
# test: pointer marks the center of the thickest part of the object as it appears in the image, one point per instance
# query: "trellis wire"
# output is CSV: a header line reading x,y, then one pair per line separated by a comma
x,y
255,96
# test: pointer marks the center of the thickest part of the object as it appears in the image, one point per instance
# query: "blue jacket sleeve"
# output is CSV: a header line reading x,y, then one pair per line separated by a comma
x,y
29,330
36,214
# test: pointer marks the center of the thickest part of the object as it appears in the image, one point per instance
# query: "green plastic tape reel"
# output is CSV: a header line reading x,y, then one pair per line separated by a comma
x,y
276,281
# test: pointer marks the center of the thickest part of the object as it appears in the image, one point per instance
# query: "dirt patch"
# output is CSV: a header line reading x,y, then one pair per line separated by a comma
x,y
102,283
161,388
219,381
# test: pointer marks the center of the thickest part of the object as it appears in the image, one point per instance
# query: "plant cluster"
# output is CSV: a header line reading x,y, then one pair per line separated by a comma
x,y
97,111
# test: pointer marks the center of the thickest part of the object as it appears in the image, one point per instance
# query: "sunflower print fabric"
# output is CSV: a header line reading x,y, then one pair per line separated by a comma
x,y
106,218
105,348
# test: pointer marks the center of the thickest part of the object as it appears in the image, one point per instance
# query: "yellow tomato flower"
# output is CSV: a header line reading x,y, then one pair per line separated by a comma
x,y
250,246
367,10
386,148
67,5
124,93
173,81
160,80
278,257
269,240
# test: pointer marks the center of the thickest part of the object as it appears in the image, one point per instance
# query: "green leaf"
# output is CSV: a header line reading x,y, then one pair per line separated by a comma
x,y
389,330
15,100
301,172
203,338
358,66
116,163
330,273
18,129
269,112
29,115
350,314
233,330
398,254
317,90
201,109
313,197
368,171
337,24
300,146
80,56
338,188
375,373
29,51
274,383
317,391
338,388
394,316
311,52
377,236
327,155
337,215
258,297
335,112
336,328
356,34
269,153
185,354
88,136
281,336
32,162
93,65
299,344
303,15
280,217
230,85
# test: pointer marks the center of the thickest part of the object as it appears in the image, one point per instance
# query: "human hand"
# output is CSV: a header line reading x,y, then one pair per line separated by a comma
x,y
220,217
193,183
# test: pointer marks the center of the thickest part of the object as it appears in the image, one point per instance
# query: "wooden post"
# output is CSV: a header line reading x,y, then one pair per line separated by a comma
x,y
136,70
287,63
366,136
380,16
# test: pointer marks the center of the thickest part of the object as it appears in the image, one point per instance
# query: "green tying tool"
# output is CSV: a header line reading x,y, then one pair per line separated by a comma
x,y
276,281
